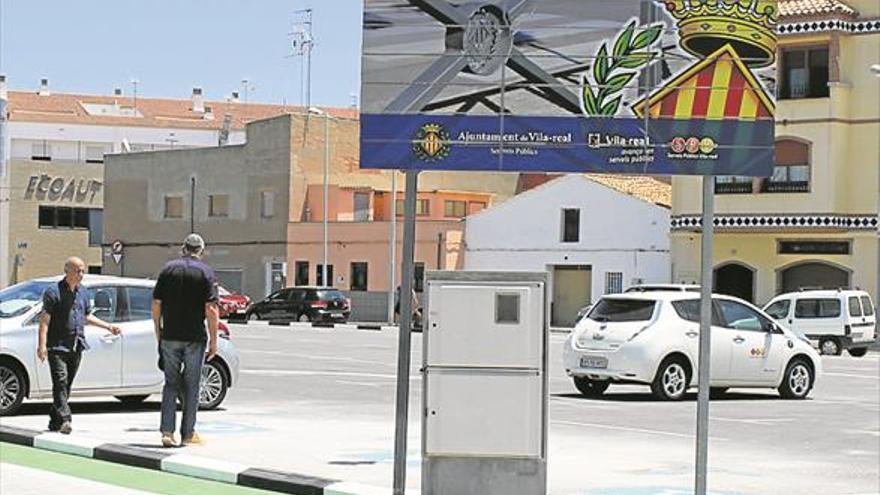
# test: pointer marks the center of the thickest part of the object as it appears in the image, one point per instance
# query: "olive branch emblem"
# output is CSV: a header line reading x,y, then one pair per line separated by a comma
x,y
612,73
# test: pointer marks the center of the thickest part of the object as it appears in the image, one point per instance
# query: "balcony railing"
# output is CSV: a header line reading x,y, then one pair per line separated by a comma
x,y
733,188
768,186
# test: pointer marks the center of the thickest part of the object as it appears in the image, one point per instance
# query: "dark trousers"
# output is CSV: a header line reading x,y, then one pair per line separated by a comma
x,y
63,366
183,370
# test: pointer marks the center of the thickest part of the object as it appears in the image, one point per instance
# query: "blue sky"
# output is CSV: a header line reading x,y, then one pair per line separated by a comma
x,y
93,46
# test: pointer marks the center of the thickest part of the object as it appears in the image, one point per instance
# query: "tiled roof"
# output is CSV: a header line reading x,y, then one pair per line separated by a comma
x,y
639,186
156,112
812,8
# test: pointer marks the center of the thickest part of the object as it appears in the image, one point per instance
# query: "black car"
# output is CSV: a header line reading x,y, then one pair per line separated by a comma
x,y
318,304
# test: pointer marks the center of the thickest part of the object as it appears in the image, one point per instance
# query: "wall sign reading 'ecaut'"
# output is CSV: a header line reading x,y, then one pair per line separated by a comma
x,y
78,190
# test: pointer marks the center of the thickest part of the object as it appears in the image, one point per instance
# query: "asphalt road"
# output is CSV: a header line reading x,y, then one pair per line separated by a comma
x,y
321,402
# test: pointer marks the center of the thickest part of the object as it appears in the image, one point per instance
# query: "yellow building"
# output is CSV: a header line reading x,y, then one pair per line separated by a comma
x,y
814,223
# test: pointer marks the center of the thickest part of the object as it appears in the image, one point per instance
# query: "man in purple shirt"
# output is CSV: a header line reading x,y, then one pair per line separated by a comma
x,y
184,296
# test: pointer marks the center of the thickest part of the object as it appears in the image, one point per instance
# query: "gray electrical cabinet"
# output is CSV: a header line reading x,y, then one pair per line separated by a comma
x,y
484,423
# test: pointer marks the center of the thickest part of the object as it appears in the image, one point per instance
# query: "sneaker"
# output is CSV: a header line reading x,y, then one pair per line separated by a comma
x,y
168,440
65,428
193,439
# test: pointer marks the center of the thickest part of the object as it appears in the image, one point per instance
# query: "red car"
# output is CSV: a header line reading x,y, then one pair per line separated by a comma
x,y
232,302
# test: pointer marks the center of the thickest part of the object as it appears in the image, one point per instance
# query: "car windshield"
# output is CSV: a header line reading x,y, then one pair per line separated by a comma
x,y
18,299
330,295
622,310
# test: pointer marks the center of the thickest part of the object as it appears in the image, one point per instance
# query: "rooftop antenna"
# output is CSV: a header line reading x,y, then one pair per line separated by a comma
x,y
134,92
354,100
302,42
246,86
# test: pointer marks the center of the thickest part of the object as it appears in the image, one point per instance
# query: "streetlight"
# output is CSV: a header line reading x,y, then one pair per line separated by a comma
x,y
318,111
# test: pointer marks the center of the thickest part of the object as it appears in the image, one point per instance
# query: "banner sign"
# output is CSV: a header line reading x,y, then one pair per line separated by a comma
x,y
624,86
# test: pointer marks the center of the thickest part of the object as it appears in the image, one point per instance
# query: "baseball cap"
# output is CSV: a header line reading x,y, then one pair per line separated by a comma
x,y
194,241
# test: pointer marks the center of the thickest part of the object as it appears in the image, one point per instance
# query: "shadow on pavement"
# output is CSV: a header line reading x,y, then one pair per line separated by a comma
x,y
690,397
105,407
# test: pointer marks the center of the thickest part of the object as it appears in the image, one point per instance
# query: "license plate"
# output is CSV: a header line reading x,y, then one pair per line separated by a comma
x,y
594,362
240,312
336,314
856,335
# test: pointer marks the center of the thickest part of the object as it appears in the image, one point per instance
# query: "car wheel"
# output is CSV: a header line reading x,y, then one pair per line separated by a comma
x,y
212,386
254,316
672,380
797,381
829,346
857,351
131,400
12,388
591,388
304,318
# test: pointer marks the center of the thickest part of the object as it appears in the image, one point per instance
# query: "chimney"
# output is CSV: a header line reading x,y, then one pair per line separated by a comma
x,y
3,94
234,98
198,105
117,92
44,87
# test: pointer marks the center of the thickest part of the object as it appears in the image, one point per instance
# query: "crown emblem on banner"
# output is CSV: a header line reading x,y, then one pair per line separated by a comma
x,y
747,25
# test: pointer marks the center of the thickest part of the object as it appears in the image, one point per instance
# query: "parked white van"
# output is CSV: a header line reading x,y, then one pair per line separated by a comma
x,y
836,319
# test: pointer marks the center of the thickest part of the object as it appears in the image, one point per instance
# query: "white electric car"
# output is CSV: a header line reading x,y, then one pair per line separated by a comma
x,y
122,365
652,338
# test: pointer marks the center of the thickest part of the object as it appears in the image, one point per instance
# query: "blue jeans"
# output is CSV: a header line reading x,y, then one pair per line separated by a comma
x,y
183,371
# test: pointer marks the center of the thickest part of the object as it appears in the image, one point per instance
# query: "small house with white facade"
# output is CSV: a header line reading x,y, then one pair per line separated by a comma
x,y
593,234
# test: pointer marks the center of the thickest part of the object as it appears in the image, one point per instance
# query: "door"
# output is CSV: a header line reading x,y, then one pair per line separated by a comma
x,y
719,352
101,365
572,290
274,305
139,346
735,280
870,331
756,353
817,316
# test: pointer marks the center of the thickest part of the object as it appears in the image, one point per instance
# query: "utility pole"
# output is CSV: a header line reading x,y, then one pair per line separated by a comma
x,y
302,43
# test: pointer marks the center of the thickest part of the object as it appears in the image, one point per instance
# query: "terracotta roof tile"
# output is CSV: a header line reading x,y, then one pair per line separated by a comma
x,y
155,112
811,8
643,187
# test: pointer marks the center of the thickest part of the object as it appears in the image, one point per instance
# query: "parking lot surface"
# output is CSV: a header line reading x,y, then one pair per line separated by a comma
x,y
321,402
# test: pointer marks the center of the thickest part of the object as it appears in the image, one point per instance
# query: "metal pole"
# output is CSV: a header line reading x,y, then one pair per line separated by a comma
x,y
192,205
403,347
705,336
392,255
326,202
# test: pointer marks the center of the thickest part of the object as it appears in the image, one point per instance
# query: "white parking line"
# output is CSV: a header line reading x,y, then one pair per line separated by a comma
x,y
414,376
632,430
851,375
755,421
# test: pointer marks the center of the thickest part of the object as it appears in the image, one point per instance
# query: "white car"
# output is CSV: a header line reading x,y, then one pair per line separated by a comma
x,y
122,365
652,338
836,319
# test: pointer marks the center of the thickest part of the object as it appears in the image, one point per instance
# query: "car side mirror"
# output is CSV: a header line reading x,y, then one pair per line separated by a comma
x,y
775,328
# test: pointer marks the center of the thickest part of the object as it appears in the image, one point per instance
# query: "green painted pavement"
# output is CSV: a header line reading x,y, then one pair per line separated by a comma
x,y
117,474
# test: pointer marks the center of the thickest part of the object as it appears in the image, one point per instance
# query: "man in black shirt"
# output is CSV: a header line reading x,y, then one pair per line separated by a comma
x,y
184,296
62,339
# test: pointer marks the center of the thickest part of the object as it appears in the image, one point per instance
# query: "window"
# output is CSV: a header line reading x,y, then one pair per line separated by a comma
x,y
140,303
361,207
791,172
218,205
613,282
814,247
507,309
96,226
779,309
867,306
419,276
359,275
455,209
267,204
94,154
690,310
622,310
321,282
476,207
740,317
817,308
855,307
41,151
423,207
230,279
571,225
62,217
733,184
804,73
173,207
94,269
301,274
107,304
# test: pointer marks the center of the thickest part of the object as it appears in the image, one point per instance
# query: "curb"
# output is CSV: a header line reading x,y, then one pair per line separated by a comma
x,y
186,464
376,327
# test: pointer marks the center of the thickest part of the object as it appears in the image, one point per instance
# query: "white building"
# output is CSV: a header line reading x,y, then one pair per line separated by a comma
x,y
593,234
52,148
